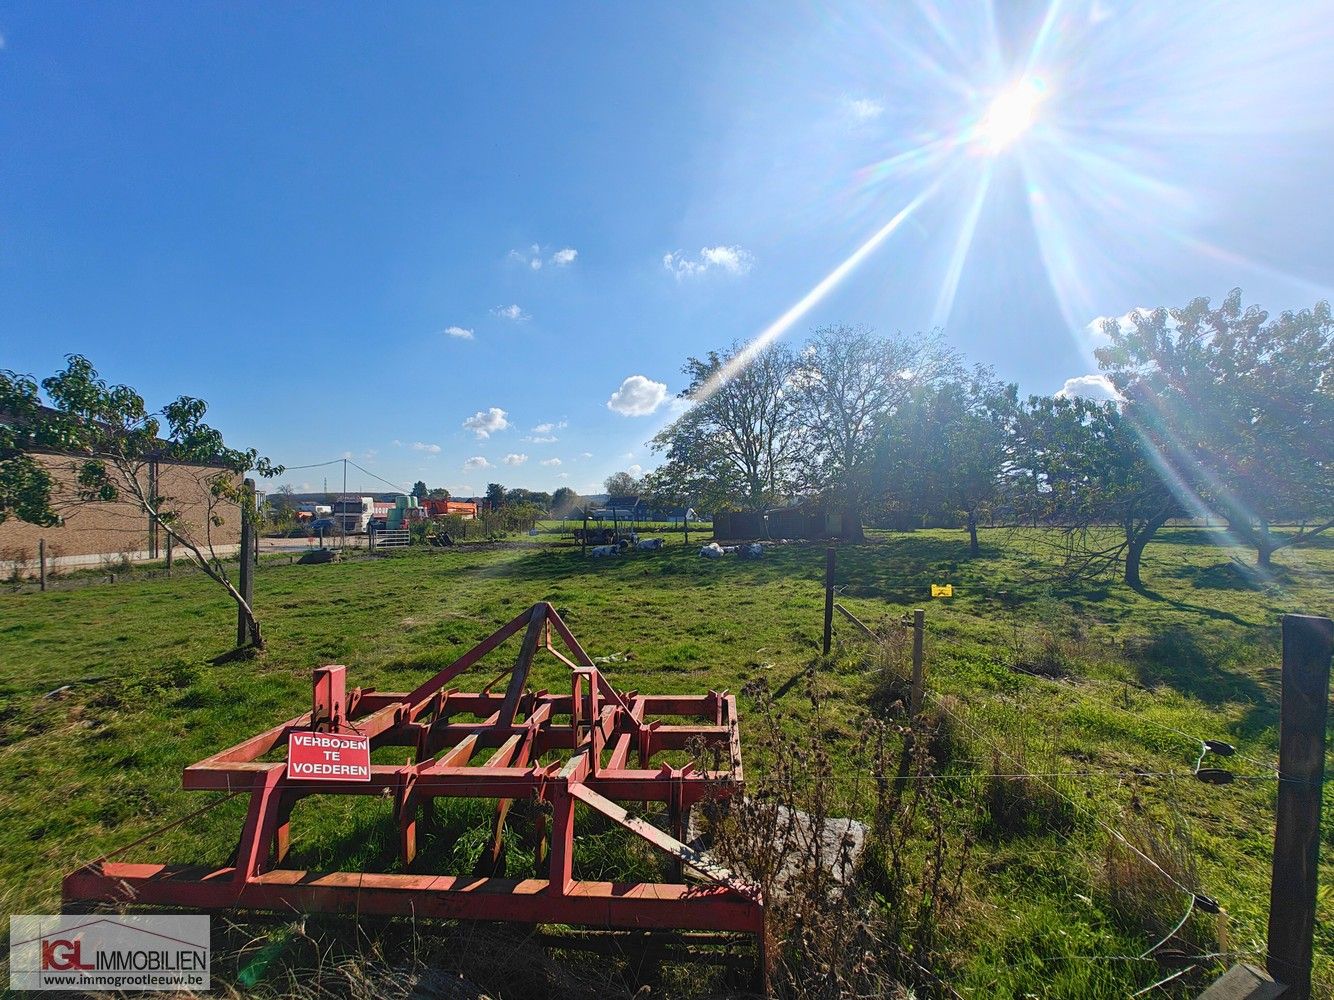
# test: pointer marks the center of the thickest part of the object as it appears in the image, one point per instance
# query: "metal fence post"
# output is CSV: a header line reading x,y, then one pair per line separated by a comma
x,y
829,557
41,562
1308,642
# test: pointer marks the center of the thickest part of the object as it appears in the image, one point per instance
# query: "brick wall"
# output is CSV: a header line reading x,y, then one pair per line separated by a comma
x,y
96,533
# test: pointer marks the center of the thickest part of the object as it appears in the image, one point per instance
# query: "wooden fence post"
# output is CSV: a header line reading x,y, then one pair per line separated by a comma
x,y
170,547
829,558
1307,645
41,563
918,637
246,582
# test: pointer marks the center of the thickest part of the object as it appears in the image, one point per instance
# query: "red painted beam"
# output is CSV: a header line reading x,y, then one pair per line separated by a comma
x,y
591,904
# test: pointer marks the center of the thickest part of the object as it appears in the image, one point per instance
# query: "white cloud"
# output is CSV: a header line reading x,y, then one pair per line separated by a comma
x,y
1097,388
347,454
513,311
863,109
462,332
433,449
542,439
484,423
585,454
563,475
549,426
397,443
730,259
514,458
638,396
552,462
370,454
1125,321
635,470
476,462
533,255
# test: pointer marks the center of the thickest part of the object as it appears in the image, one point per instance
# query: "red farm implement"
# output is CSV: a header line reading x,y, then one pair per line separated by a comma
x,y
481,746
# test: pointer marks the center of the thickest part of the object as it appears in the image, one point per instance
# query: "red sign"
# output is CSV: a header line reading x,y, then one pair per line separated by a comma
x,y
328,757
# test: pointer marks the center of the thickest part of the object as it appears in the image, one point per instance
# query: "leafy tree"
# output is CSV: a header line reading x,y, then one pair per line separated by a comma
x,y
848,385
495,496
736,444
532,498
621,484
419,490
437,493
106,443
1236,408
564,501
946,450
1083,466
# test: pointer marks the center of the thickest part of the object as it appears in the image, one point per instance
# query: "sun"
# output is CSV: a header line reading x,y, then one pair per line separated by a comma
x,y
1011,114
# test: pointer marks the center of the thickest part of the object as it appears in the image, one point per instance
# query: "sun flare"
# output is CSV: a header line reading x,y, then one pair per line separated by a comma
x,y
1011,114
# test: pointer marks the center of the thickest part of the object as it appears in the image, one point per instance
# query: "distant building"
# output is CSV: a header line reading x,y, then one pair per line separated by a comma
x,y
94,533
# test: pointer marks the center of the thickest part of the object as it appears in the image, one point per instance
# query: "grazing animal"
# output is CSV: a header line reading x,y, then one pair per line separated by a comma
x,y
712,551
649,545
598,551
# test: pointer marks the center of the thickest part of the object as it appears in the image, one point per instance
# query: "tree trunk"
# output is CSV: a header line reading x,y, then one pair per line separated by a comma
x,y
1134,549
1263,552
973,548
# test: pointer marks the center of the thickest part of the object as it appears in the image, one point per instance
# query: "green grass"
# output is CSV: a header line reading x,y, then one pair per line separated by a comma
x,y
90,770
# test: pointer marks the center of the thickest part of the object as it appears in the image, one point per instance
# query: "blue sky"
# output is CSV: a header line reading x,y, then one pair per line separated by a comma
x,y
284,209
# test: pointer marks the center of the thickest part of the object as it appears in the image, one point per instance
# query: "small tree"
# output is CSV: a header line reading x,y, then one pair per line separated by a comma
x,y
438,493
419,490
108,444
495,496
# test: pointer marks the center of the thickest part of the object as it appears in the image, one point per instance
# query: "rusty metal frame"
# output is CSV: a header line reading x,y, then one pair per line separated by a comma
x,y
603,728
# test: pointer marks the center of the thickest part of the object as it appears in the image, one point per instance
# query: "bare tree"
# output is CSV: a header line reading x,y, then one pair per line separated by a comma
x,y
849,383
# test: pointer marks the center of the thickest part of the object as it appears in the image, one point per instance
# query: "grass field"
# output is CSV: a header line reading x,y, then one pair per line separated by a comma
x,y
1123,676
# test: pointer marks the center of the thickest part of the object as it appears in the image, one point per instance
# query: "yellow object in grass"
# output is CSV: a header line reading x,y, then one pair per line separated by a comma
x,y
942,590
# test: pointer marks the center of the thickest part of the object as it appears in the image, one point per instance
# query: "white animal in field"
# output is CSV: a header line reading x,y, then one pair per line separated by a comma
x,y
712,551
649,545
598,551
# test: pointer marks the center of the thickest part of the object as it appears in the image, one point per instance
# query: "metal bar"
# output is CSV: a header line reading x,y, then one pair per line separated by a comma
x,y
467,659
521,666
684,853
593,904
